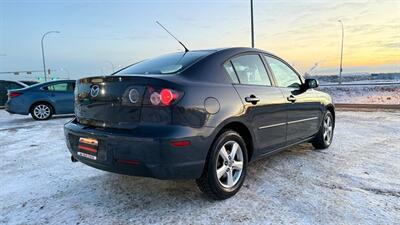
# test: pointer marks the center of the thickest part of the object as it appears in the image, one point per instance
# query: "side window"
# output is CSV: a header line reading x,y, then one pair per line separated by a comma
x,y
251,70
16,86
229,69
12,85
284,75
57,87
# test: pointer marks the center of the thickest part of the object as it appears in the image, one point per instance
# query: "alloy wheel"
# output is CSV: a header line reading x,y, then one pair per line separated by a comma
x,y
229,164
328,129
42,111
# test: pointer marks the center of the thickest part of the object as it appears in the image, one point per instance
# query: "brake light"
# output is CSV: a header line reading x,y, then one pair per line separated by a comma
x,y
166,96
14,94
161,96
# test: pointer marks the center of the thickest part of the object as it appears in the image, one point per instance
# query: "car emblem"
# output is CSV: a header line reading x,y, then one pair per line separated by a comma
x,y
94,91
133,95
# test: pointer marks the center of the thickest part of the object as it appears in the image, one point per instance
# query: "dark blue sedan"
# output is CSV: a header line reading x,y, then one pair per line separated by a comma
x,y
43,100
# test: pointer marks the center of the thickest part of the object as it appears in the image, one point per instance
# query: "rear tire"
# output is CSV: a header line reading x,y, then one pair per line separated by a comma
x,y
225,168
41,111
324,137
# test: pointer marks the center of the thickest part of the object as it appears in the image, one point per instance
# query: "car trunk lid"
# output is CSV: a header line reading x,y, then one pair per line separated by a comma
x,y
112,101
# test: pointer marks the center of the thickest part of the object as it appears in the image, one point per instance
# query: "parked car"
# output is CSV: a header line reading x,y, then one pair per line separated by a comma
x,y
43,100
6,85
29,82
200,115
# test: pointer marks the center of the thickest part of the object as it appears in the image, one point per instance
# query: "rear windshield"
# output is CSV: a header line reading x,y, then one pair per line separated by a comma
x,y
166,64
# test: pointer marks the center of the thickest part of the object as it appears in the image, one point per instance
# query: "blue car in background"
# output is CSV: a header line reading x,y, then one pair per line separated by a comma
x,y
43,100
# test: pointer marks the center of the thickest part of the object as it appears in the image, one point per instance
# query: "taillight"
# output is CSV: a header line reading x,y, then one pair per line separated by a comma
x,y
167,96
161,96
14,94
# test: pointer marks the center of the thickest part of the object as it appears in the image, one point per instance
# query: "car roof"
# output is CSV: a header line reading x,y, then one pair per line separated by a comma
x,y
49,82
15,81
52,81
233,49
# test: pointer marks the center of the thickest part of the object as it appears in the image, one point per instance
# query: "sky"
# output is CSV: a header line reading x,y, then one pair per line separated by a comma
x,y
96,36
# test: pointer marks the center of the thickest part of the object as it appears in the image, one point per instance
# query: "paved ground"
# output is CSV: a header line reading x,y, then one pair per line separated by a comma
x,y
356,181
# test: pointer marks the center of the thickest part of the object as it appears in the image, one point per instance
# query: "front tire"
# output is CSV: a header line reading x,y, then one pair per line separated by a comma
x,y
225,168
324,137
41,111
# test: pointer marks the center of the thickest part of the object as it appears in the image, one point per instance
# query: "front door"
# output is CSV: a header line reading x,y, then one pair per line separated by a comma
x,y
264,104
61,96
303,109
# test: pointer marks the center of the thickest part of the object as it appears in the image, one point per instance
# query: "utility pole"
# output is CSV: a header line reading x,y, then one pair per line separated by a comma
x,y
252,23
44,62
341,54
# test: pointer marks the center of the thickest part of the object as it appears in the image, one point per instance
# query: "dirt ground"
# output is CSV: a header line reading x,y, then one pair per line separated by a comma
x,y
355,181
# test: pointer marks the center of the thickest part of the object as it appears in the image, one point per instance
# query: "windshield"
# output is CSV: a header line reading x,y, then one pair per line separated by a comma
x,y
166,64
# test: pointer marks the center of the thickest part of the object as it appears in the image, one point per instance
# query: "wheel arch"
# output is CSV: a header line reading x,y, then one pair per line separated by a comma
x,y
243,131
42,101
331,109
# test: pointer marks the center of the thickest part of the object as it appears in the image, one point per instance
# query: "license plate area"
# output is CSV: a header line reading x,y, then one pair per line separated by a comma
x,y
88,148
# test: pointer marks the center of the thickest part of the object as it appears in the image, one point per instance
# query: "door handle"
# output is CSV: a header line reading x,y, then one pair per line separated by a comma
x,y
252,99
291,98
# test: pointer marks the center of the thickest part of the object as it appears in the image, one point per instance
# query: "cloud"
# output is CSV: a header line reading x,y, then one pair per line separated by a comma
x,y
392,45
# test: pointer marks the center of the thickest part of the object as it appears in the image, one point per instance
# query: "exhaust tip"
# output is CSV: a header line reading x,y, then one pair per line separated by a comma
x,y
73,159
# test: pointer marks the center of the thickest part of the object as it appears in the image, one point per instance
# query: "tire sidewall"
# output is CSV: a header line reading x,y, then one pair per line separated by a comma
x,y
212,167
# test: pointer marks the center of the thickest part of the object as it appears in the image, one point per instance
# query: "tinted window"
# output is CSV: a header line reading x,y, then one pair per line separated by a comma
x,y
167,64
250,70
12,85
231,72
57,87
29,82
284,75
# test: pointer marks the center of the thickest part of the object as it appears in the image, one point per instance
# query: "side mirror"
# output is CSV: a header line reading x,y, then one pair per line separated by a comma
x,y
311,83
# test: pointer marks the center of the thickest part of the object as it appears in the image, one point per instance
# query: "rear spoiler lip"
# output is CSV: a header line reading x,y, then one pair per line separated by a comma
x,y
148,79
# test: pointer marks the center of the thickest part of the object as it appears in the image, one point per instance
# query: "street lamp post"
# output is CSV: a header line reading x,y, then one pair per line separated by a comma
x,y
341,54
252,23
44,62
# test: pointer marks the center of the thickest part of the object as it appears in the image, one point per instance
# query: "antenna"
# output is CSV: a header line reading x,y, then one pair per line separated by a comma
x,y
186,50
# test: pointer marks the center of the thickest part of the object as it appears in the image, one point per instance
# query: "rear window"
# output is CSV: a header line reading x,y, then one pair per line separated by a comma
x,y
166,64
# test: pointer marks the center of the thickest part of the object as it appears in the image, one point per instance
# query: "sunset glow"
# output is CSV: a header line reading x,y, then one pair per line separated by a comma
x,y
305,33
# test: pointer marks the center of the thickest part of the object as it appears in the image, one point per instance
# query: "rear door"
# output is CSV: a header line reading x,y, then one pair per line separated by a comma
x,y
264,104
303,109
61,95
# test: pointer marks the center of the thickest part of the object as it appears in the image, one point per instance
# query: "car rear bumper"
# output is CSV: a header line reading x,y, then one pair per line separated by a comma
x,y
14,107
144,151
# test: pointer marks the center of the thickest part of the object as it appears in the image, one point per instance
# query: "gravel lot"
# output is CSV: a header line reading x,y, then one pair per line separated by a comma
x,y
355,181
